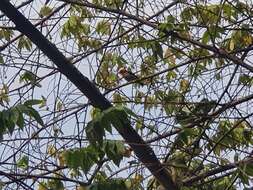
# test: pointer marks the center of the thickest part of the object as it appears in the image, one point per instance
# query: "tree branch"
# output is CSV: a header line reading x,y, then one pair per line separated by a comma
x,y
141,149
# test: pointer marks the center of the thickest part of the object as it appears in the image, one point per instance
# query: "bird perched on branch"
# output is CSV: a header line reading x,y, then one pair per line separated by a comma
x,y
128,75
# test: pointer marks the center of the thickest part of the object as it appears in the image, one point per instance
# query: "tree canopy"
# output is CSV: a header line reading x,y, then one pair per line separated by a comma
x,y
69,120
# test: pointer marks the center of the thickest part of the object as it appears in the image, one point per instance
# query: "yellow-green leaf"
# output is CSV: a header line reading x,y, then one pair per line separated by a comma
x,y
45,11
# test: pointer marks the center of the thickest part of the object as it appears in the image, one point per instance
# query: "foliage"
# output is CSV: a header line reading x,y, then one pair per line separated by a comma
x,y
194,111
11,117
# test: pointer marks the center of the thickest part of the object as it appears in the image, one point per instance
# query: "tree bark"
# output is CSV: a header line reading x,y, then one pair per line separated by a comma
x,y
141,149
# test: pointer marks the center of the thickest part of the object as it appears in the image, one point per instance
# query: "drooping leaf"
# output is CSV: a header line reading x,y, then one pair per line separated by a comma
x,y
34,113
33,102
95,132
6,34
29,111
105,122
8,122
249,169
23,162
20,121
114,150
157,50
1,59
29,77
24,43
81,158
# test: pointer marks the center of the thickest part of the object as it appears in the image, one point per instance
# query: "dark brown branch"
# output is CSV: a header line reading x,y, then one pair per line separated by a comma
x,y
141,149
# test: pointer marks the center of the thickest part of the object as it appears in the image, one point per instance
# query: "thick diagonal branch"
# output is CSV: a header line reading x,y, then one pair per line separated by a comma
x,y
141,149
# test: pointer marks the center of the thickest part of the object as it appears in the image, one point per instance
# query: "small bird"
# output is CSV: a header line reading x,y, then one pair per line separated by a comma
x,y
128,75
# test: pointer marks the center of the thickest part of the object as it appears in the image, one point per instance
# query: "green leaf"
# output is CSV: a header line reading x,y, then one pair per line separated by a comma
x,y
4,95
1,59
157,50
3,128
73,158
241,168
169,108
105,122
43,102
33,102
249,169
20,121
187,13
231,45
7,116
95,129
246,80
29,77
73,21
83,158
33,113
30,112
14,115
103,27
91,136
24,43
95,132
109,184
244,178
2,184
139,124
130,112
6,34
55,184
236,157
184,85
119,147
23,162
122,117
45,11
114,150
95,112
206,37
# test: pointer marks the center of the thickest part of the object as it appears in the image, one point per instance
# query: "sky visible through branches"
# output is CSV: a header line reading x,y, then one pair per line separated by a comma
x,y
194,110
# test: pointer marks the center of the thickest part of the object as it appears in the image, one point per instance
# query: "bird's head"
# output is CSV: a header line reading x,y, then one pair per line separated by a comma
x,y
122,71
